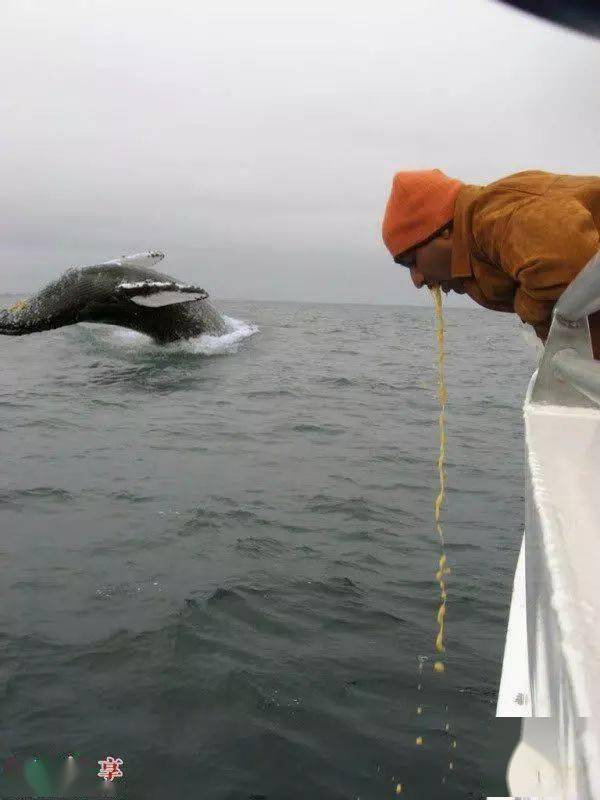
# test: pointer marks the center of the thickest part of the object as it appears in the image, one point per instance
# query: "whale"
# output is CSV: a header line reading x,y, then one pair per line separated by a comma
x,y
125,292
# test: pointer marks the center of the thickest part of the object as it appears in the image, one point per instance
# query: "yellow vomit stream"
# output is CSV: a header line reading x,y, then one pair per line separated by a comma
x,y
443,570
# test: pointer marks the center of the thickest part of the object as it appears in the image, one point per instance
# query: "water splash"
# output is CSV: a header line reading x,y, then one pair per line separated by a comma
x,y
206,345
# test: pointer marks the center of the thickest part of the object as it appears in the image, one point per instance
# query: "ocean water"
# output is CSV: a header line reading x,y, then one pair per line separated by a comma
x,y
217,558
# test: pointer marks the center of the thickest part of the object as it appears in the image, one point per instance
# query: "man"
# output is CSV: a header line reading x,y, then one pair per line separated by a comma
x,y
513,245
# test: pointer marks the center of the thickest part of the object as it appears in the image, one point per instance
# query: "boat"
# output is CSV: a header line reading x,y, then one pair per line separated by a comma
x,y
550,672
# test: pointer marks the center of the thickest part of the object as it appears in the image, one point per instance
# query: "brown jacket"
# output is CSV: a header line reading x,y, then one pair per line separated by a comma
x,y
520,241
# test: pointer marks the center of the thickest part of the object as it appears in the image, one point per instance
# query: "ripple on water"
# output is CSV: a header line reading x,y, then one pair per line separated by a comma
x,y
325,429
46,496
260,547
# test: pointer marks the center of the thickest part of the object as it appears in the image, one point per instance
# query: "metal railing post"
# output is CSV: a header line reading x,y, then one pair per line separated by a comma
x,y
567,374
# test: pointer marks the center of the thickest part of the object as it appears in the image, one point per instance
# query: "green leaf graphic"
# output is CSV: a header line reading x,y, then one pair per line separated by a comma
x,y
37,777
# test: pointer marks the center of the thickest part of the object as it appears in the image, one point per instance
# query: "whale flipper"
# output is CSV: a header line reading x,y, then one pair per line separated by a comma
x,y
156,294
142,260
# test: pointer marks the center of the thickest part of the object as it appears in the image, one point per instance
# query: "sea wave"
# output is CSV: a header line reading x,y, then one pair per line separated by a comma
x,y
237,331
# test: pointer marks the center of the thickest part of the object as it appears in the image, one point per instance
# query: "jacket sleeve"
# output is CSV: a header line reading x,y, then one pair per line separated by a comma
x,y
545,245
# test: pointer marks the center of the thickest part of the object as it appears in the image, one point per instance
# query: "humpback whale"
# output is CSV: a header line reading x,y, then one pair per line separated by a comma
x,y
125,292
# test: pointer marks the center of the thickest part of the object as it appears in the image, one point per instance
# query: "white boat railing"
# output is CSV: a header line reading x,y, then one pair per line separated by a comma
x,y
568,375
577,370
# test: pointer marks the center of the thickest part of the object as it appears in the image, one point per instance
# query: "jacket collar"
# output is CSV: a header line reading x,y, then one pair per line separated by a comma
x,y
460,264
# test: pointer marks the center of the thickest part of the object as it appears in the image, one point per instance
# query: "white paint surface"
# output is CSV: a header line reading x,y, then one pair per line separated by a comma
x,y
557,604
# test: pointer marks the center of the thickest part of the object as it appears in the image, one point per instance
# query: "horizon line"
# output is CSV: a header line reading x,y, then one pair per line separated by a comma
x,y
311,302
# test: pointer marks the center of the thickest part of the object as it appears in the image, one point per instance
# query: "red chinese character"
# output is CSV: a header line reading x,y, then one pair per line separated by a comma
x,y
110,768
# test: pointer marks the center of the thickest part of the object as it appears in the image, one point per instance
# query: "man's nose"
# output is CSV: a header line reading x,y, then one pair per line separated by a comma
x,y
417,277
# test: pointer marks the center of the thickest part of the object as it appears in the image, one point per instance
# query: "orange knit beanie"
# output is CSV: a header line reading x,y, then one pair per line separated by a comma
x,y
421,202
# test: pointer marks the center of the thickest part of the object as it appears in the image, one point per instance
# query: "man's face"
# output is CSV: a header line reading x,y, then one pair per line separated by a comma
x,y
429,265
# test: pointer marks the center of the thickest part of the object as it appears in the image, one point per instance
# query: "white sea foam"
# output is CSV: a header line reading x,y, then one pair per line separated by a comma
x,y
237,332
207,345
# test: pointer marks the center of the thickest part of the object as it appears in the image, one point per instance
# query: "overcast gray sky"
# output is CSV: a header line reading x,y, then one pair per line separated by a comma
x,y
255,143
